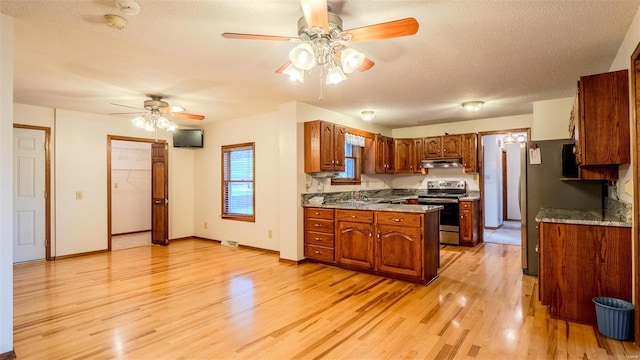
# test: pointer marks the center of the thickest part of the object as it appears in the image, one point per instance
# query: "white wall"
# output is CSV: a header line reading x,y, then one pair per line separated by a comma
x,y
551,119
623,61
492,181
513,181
182,192
6,184
130,186
463,127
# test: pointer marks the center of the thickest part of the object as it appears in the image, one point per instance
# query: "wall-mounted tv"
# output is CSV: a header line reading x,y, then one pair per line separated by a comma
x,y
188,138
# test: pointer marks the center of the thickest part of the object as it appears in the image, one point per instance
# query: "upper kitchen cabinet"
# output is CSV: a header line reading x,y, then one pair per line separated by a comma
x,y
323,146
447,146
407,156
599,123
470,153
378,156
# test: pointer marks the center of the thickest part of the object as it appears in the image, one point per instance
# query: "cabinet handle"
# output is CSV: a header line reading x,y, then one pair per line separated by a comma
x,y
537,247
317,213
461,216
445,150
317,239
353,216
378,235
317,225
317,252
370,234
397,220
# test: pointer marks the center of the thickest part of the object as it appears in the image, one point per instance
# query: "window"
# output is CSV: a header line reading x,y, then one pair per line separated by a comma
x,y
351,174
238,196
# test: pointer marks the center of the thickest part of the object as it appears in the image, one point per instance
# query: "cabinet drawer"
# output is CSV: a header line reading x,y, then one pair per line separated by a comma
x,y
316,238
355,216
318,213
319,225
398,218
466,205
319,253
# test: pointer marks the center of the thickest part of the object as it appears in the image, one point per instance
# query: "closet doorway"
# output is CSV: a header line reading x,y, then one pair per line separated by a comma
x,y
137,192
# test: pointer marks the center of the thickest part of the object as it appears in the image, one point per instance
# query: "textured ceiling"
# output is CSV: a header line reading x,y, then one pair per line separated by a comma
x,y
507,53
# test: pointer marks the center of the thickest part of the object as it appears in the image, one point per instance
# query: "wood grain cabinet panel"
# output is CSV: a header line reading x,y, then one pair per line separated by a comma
x,y
399,250
447,146
319,234
579,262
470,153
323,147
354,244
470,226
408,156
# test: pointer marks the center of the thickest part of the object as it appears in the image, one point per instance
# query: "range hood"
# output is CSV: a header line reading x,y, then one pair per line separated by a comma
x,y
442,163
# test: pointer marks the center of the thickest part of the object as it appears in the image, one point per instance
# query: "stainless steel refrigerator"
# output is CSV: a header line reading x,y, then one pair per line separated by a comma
x,y
541,187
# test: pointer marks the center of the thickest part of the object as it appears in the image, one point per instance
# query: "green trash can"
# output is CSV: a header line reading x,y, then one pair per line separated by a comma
x,y
615,317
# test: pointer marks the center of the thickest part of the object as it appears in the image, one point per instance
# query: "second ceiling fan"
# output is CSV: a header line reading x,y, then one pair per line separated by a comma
x,y
323,42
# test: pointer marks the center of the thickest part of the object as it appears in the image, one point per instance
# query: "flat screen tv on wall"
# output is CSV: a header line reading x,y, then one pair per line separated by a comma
x,y
188,138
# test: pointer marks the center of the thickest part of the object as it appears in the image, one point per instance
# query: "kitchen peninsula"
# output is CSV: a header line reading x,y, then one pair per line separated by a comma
x,y
389,239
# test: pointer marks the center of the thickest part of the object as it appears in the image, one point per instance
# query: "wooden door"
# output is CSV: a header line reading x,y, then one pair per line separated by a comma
x,y
354,244
381,165
432,147
417,155
470,153
399,250
466,225
338,147
452,146
403,149
327,146
159,194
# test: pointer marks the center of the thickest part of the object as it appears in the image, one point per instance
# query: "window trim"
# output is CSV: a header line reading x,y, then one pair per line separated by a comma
x,y
226,149
357,171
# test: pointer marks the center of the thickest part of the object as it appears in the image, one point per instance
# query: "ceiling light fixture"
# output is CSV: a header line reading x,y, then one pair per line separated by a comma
x,y
322,52
521,138
115,21
509,139
367,115
153,120
473,106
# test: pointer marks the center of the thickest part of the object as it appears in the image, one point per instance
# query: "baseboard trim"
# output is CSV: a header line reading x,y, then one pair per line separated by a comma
x,y
131,232
61,257
184,238
248,247
8,355
293,262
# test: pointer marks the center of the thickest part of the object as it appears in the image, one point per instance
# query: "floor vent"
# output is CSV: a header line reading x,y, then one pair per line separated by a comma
x,y
230,243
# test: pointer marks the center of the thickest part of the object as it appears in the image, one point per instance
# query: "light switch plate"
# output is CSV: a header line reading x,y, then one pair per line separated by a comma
x,y
628,187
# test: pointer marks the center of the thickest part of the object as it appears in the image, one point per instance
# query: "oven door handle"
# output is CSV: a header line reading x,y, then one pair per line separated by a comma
x,y
438,201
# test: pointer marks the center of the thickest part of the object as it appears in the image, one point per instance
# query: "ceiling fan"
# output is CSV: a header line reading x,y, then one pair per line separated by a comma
x,y
323,42
155,112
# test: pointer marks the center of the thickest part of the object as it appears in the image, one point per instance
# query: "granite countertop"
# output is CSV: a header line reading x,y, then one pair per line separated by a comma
x,y
373,206
581,217
470,198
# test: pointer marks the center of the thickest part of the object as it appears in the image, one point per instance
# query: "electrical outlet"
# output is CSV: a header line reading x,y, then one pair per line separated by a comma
x,y
270,234
206,225
78,195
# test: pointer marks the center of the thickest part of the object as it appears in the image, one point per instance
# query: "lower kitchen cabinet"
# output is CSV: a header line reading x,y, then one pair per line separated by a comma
x,y
399,250
395,244
579,262
318,234
470,227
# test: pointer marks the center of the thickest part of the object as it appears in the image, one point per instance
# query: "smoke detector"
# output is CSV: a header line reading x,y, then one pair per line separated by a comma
x,y
128,7
115,21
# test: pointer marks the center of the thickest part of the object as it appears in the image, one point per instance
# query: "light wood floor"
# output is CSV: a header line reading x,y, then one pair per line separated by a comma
x,y
199,300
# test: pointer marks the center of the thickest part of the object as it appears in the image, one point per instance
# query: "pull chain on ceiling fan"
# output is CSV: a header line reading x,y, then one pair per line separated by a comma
x,y
323,43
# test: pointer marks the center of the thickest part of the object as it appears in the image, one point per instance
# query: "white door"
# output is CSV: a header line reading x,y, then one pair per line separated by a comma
x,y
28,195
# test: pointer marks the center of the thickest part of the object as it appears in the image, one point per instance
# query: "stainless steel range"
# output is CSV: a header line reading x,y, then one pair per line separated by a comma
x,y
447,194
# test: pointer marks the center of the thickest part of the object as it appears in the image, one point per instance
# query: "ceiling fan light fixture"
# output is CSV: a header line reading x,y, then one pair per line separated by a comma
x,y
138,121
294,73
335,75
521,138
367,115
473,106
149,126
351,60
162,122
303,56
509,139
172,127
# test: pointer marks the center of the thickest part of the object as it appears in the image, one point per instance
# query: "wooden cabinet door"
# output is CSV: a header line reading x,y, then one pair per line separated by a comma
x,y
432,147
354,244
452,146
470,153
338,147
399,250
389,155
326,146
417,155
403,149
381,164
466,225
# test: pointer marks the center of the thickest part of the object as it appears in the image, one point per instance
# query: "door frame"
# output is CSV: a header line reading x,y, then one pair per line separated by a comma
x,y
124,138
47,184
635,162
481,134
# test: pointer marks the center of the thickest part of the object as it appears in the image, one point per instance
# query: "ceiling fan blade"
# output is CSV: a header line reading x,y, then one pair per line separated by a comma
x,y
391,29
127,106
257,37
316,14
366,65
188,116
283,67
